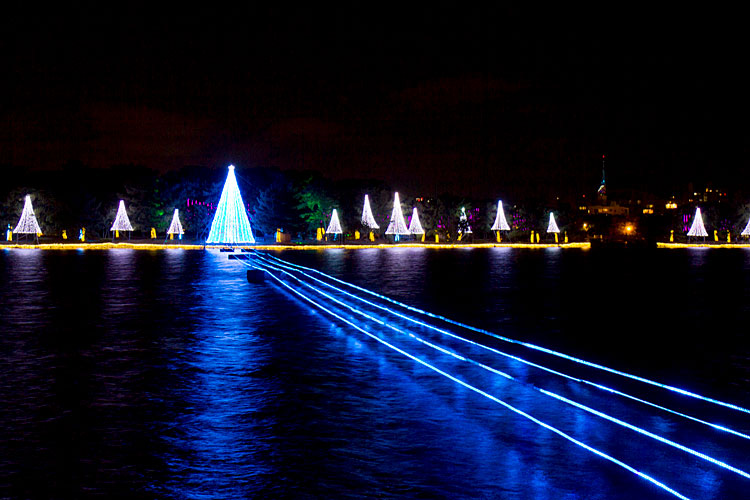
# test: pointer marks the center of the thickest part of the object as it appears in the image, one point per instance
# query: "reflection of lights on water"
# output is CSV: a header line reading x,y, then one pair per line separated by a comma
x,y
483,393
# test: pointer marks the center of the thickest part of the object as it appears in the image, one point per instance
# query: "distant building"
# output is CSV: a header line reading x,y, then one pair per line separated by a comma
x,y
611,209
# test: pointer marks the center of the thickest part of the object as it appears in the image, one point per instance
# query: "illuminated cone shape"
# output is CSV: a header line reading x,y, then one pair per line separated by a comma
x,y
552,226
746,231
697,229
397,225
334,227
27,224
230,224
367,219
415,227
500,223
466,219
176,226
122,222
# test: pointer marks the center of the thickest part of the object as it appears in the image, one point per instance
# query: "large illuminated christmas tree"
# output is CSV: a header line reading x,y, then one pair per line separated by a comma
x,y
367,218
122,222
552,226
176,226
334,227
500,223
230,224
27,224
697,229
397,224
415,227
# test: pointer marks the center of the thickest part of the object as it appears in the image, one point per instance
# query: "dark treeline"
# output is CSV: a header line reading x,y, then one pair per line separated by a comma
x,y
297,202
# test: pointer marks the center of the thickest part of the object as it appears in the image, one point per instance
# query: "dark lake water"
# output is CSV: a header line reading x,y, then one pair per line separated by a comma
x,y
135,374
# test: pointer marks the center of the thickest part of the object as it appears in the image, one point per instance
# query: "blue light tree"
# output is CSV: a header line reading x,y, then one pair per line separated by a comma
x,y
230,224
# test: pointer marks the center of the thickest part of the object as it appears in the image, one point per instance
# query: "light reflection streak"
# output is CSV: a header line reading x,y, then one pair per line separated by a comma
x,y
479,391
565,400
529,345
521,360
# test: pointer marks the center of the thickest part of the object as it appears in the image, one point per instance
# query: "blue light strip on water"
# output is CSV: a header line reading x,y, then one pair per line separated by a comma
x,y
521,360
529,345
481,392
664,440
543,391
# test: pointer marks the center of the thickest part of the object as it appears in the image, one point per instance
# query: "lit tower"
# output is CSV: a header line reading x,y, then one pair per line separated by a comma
x,y
27,224
230,224
697,229
602,191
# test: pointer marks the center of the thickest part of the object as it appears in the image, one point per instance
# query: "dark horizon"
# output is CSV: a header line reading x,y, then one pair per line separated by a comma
x,y
475,102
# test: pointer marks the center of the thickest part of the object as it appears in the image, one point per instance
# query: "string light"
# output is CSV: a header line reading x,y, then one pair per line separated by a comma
x,y
122,222
473,388
334,227
746,231
529,345
230,224
367,218
415,227
697,229
27,224
500,223
464,219
293,267
175,227
397,224
552,226
563,399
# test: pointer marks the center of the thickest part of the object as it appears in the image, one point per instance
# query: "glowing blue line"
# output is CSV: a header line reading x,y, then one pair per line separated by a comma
x,y
485,394
664,440
387,325
521,360
543,391
531,346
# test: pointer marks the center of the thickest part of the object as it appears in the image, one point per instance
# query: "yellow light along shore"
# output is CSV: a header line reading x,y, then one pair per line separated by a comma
x,y
322,246
703,245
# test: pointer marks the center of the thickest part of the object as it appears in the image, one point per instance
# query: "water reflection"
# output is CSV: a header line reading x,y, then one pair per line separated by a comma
x,y
165,374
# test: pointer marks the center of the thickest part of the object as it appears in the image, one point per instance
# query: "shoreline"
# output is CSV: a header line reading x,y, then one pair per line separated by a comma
x,y
333,246
325,246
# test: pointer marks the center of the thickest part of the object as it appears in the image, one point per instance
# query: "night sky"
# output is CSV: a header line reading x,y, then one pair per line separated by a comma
x,y
477,102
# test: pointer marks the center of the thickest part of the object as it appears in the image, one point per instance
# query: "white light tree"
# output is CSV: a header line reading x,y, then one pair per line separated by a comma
x,y
367,218
122,222
552,226
415,227
500,223
176,226
334,227
746,231
230,224
397,224
697,229
27,224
